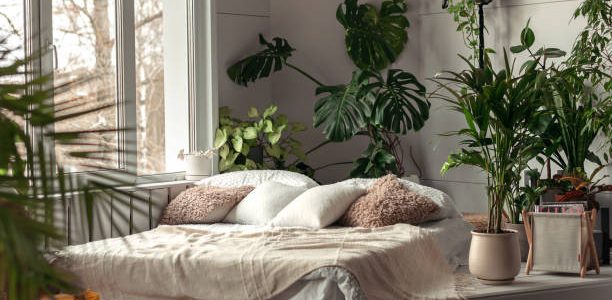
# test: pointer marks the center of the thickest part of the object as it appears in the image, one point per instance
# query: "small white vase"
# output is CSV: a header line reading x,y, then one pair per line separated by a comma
x,y
197,167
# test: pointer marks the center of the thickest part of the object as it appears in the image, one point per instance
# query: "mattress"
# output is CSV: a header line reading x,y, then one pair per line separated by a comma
x,y
451,237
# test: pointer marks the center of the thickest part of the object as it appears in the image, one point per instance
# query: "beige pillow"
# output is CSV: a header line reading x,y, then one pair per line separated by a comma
x,y
388,202
203,205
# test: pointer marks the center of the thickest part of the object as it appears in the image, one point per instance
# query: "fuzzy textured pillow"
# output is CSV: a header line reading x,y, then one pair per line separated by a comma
x,y
202,205
386,203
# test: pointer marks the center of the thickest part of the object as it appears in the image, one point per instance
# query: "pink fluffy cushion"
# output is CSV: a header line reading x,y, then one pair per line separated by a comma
x,y
388,202
203,205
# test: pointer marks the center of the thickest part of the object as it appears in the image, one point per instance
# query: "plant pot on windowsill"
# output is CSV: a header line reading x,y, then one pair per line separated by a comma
x,y
495,258
198,165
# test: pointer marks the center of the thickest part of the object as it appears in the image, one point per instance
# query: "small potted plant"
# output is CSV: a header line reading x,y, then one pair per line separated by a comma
x,y
264,140
198,165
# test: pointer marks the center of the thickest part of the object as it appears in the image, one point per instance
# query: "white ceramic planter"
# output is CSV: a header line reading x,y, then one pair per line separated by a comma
x,y
197,167
522,237
495,259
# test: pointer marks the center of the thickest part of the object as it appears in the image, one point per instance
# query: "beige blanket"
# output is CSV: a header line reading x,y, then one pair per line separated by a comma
x,y
191,262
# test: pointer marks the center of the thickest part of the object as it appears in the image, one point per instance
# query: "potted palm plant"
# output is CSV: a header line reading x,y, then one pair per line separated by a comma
x,y
501,112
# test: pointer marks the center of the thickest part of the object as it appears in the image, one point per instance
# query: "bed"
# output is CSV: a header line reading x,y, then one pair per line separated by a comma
x,y
231,261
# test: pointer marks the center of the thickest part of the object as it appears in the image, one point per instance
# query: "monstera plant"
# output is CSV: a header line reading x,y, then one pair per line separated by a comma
x,y
377,103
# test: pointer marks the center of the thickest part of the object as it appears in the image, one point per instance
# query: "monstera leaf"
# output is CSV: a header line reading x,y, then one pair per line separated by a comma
x,y
345,110
261,64
400,104
374,38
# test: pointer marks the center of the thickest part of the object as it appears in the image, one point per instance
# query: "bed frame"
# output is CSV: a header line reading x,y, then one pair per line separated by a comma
x,y
138,210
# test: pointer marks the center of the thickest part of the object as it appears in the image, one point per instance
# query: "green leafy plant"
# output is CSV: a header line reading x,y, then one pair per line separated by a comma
x,y
264,141
593,48
503,116
465,14
378,106
34,191
580,116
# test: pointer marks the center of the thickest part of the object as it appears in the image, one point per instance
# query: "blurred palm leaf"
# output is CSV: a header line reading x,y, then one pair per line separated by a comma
x,y
34,191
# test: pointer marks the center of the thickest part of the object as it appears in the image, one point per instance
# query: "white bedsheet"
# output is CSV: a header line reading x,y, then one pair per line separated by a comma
x,y
452,236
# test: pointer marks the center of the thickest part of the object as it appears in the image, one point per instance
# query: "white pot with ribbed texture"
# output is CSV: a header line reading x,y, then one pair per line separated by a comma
x,y
495,258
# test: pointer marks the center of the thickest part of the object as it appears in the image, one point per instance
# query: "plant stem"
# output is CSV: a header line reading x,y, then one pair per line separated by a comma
x,y
317,147
319,83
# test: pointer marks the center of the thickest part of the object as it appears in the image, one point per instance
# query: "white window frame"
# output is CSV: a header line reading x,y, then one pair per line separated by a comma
x,y
202,75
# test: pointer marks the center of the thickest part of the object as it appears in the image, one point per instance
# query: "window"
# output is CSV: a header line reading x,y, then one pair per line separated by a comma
x,y
87,45
11,25
149,32
150,61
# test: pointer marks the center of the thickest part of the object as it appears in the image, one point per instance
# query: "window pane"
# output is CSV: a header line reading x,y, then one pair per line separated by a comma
x,y
162,109
12,36
11,29
84,36
149,31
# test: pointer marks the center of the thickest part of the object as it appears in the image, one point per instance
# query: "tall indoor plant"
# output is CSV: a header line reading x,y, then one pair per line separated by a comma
x,y
501,112
583,100
373,104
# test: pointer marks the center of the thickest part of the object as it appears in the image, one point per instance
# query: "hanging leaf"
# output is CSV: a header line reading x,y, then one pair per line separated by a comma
x,y
344,110
253,113
270,111
374,39
250,133
267,126
551,52
261,64
220,138
237,143
401,104
274,137
527,36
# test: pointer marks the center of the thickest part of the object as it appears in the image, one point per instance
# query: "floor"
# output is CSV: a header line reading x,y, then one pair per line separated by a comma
x,y
539,285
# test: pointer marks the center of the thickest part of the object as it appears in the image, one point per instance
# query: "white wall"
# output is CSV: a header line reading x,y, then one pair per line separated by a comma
x,y
238,24
311,28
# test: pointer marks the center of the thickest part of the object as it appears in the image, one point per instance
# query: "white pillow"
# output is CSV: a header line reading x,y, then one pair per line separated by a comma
x,y
257,177
443,200
318,207
263,203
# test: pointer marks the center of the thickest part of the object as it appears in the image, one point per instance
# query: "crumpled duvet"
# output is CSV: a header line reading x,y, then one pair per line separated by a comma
x,y
194,262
